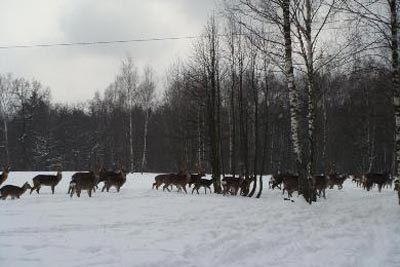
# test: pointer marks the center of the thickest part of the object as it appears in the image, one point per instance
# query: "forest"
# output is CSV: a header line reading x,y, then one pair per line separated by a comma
x,y
304,87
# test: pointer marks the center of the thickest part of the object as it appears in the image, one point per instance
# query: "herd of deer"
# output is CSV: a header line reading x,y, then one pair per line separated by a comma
x,y
286,182
88,181
322,182
230,185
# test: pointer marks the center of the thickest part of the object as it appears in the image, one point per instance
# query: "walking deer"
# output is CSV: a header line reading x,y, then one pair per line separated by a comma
x,y
179,180
276,180
290,184
83,181
376,178
231,185
116,179
4,175
206,183
46,180
195,178
335,179
159,180
13,191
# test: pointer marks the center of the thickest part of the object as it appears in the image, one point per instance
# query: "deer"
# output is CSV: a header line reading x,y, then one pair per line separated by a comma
x,y
231,185
13,191
335,179
83,181
321,183
397,188
116,179
159,180
180,180
376,178
206,183
46,180
276,180
290,184
195,178
4,175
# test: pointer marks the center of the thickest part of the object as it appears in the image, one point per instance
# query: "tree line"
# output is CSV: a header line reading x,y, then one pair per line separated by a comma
x,y
273,86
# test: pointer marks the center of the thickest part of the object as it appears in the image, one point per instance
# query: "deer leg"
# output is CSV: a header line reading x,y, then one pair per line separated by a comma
x,y
90,192
33,188
37,189
193,189
104,187
52,189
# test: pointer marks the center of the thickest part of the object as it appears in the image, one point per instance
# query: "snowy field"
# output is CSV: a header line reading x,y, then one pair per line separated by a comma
x,y
143,227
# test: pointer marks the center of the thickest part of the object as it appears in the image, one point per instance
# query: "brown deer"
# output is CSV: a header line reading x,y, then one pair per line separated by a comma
x,y
195,178
206,183
46,180
321,183
231,185
116,179
335,179
276,180
179,180
83,181
13,191
159,180
290,184
376,178
4,175
397,188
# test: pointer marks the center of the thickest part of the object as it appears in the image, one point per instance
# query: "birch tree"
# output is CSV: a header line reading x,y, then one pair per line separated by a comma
x,y
129,79
146,96
380,22
6,108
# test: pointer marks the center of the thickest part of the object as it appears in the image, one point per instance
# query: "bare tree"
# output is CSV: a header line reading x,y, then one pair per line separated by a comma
x,y
146,95
6,107
380,22
129,79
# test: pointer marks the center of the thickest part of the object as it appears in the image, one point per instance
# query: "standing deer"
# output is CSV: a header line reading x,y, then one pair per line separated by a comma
x,y
13,191
321,183
83,181
116,179
46,180
4,175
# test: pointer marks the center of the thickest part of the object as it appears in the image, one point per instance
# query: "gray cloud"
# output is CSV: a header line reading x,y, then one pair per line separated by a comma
x,y
75,73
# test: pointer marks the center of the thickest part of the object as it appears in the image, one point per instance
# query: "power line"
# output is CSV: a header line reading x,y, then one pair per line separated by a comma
x,y
100,42
89,43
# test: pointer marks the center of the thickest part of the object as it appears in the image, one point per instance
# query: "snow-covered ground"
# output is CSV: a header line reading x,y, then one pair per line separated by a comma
x,y
143,227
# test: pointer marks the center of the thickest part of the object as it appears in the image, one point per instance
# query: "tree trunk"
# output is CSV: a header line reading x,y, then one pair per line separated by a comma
x,y
131,159
304,186
146,124
395,79
6,149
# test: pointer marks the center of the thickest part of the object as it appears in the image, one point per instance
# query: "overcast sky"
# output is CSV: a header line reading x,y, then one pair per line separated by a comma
x,y
75,73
